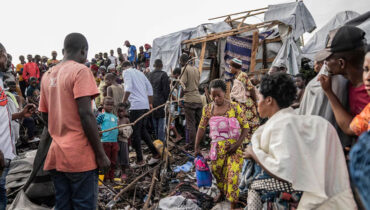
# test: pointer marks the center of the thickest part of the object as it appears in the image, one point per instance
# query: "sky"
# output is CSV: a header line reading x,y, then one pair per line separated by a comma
x,y
40,26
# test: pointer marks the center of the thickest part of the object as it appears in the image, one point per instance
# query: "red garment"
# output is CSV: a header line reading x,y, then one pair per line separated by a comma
x,y
30,69
358,99
94,67
111,150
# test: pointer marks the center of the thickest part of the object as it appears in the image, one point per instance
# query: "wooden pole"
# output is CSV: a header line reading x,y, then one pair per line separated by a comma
x,y
234,31
254,51
248,15
228,89
201,60
154,178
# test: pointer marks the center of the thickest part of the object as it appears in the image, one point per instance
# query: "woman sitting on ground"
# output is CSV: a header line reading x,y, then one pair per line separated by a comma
x,y
295,153
225,119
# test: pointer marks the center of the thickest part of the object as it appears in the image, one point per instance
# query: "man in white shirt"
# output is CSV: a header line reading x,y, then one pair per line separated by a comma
x,y
139,92
7,147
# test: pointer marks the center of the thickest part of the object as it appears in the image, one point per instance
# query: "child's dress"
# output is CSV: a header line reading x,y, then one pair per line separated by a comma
x,y
123,155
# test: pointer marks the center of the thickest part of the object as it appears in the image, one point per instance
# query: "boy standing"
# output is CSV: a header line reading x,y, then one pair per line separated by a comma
x,y
161,88
108,120
76,152
114,90
30,69
19,69
123,135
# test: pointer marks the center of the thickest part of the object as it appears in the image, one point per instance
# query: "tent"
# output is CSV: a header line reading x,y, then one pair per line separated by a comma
x,y
283,23
317,42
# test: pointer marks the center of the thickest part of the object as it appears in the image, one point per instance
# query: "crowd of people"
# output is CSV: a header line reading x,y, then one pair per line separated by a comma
x,y
281,141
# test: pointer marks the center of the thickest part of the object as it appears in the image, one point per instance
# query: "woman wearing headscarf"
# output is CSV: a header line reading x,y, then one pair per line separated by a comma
x,y
243,93
299,160
228,128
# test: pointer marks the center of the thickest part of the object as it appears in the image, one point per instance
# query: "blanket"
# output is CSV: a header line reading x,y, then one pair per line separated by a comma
x,y
306,152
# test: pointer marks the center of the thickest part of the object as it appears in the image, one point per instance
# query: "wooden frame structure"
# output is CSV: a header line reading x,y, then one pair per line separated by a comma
x,y
240,28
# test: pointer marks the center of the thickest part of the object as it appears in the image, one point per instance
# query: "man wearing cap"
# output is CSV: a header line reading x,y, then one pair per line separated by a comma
x,y
344,55
315,102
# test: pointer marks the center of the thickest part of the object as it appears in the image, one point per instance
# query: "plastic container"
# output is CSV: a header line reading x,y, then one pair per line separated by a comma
x,y
101,177
159,146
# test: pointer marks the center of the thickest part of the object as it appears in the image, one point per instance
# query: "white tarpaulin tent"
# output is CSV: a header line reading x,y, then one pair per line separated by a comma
x,y
168,47
297,20
317,42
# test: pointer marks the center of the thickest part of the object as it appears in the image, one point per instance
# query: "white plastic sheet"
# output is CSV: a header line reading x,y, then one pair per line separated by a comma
x,y
317,42
168,47
295,15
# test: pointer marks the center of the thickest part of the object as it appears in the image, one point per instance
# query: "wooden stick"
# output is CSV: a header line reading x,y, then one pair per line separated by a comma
x,y
231,32
254,51
154,178
248,15
134,182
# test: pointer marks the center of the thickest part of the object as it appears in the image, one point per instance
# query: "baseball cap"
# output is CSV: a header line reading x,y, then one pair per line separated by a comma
x,y
342,39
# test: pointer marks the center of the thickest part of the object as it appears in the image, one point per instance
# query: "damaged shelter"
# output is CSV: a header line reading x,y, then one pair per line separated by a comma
x,y
275,41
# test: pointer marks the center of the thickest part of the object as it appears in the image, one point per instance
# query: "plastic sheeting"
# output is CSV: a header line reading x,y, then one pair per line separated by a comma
x,y
20,170
295,15
22,202
168,47
289,54
363,22
317,42
177,203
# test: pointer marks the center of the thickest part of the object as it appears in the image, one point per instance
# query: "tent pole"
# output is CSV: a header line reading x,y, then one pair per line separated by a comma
x,y
254,51
201,60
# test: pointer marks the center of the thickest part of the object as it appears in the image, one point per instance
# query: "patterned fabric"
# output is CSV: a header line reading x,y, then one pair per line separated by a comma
x,y
271,184
241,48
254,200
271,193
247,104
234,111
361,123
226,168
223,128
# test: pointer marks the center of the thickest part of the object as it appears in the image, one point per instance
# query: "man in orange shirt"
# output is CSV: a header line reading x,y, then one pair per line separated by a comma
x,y
67,91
